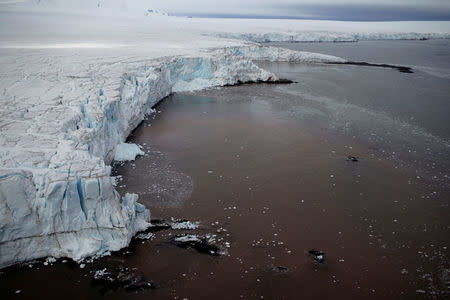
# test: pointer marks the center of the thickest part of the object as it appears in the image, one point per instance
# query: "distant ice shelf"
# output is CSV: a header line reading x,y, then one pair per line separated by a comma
x,y
329,36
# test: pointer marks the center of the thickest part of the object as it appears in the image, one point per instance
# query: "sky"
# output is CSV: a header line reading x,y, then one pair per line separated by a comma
x,y
347,10
360,10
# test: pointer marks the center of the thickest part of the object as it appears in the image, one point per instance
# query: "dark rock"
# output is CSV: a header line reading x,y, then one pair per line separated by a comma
x,y
318,256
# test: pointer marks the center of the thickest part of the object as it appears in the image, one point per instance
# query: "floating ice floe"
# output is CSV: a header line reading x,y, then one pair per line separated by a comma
x,y
184,225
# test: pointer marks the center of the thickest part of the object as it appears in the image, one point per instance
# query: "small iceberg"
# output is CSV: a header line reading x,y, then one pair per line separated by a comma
x,y
126,152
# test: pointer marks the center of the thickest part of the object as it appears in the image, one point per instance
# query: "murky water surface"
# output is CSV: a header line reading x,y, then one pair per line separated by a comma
x,y
264,170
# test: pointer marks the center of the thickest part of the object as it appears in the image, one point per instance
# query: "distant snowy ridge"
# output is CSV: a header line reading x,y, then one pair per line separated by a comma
x,y
275,54
57,197
329,36
322,30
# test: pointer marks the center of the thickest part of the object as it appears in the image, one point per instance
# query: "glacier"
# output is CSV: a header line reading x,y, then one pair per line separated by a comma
x,y
57,197
73,87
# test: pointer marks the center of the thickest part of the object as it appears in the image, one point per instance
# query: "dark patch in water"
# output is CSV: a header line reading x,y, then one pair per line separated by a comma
x,y
121,278
318,256
269,81
158,225
401,69
39,263
352,158
200,244
280,269
313,42
177,221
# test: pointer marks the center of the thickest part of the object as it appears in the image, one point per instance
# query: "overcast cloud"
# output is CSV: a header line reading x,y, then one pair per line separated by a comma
x,y
369,10
317,9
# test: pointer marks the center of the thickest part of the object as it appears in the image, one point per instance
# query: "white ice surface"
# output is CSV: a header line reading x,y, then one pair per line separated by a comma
x,y
127,152
72,87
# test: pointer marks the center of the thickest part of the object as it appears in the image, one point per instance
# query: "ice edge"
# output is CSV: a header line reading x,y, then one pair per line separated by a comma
x,y
69,207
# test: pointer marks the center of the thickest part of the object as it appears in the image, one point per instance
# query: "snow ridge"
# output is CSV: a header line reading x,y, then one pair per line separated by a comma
x,y
57,198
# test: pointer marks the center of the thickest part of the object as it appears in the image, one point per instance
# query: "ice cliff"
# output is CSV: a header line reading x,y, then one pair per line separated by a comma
x,y
330,36
57,197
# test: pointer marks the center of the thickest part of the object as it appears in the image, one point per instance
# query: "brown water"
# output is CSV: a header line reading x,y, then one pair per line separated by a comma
x,y
269,166
293,191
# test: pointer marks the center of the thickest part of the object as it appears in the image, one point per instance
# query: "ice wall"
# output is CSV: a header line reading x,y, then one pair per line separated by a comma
x,y
56,194
330,36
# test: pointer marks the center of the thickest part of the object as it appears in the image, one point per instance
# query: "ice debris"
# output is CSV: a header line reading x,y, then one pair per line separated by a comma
x,y
184,225
127,152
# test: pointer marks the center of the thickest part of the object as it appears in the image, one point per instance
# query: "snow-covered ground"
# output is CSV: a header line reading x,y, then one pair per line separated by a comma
x,y
72,88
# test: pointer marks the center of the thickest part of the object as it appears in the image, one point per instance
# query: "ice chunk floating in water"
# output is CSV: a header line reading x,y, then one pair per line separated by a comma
x,y
126,152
